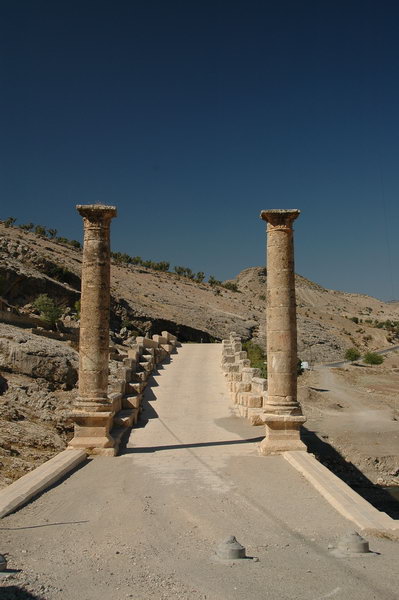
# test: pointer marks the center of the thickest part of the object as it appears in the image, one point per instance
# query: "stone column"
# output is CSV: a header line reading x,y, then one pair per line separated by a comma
x,y
283,414
93,414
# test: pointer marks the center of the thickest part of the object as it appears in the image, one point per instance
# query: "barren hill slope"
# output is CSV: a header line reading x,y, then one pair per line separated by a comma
x,y
148,301
325,325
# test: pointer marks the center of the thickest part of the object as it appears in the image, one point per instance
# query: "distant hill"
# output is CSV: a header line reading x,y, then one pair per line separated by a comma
x,y
147,301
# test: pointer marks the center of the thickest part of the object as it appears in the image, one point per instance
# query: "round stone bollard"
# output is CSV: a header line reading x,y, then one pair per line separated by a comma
x,y
230,549
353,543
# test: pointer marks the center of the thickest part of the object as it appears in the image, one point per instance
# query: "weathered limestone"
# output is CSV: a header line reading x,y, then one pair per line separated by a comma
x,y
93,413
161,345
248,390
283,414
102,416
30,485
126,391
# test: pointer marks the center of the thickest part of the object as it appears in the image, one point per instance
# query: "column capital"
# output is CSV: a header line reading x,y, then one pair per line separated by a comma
x,y
96,212
279,217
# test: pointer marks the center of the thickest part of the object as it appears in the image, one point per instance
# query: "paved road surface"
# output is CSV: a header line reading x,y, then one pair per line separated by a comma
x,y
145,525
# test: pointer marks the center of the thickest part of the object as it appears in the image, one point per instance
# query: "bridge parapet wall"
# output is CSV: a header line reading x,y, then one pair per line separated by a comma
x,y
125,391
247,389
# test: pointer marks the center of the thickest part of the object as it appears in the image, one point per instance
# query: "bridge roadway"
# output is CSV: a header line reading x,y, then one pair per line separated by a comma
x,y
145,525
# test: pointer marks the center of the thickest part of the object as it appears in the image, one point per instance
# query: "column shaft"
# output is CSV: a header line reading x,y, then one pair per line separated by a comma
x,y
283,413
93,414
281,320
95,305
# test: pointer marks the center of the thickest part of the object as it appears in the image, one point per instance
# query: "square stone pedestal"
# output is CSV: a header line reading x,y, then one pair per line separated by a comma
x,y
92,432
283,433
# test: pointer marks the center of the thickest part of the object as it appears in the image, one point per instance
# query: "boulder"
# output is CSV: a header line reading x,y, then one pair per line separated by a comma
x,y
23,352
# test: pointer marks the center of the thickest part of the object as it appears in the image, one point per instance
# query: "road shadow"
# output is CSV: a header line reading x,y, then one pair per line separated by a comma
x,y
150,395
150,449
14,592
350,474
161,366
43,525
147,411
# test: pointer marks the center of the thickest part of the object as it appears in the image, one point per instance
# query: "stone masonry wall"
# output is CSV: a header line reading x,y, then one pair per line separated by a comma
x,y
126,391
248,390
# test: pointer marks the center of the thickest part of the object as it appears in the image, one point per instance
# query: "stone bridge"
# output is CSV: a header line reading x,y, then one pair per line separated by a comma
x,y
146,523
99,416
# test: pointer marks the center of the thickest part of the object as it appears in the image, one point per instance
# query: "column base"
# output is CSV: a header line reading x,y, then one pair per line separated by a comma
x,y
283,433
92,433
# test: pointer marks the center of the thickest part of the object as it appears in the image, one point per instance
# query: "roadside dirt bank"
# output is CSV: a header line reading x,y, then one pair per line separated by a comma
x,y
354,412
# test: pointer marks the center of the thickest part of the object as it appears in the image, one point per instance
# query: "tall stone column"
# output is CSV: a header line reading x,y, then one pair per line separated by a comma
x,y
93,413
283,414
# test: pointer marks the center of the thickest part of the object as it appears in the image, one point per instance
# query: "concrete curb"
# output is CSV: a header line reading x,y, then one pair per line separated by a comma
x,y
31,484
345,500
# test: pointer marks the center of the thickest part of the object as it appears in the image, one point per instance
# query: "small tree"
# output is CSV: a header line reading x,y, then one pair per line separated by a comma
x,y
64,240
27,226
372,358
352,354
49,311
9,222
199,277
116,256
179,270
213,281
230,285
257,357
163,265
40,230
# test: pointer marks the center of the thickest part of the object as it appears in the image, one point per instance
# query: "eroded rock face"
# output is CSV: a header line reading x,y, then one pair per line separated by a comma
x,y
23,352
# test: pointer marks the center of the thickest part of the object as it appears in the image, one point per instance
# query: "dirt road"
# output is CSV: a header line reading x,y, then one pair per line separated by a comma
x,y
353,404
354,409
145,525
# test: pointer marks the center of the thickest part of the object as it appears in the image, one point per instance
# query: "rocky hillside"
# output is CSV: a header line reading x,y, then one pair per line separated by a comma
x,y
146,301
38,365
37,378
329,321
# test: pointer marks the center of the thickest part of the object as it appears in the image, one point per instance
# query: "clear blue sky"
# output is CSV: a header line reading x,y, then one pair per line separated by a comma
x,y
192,116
